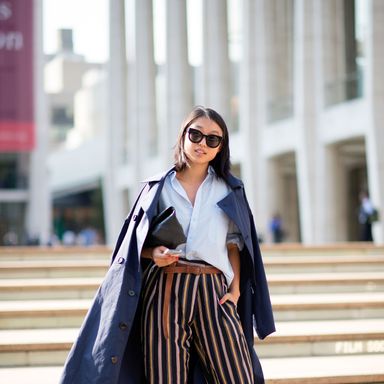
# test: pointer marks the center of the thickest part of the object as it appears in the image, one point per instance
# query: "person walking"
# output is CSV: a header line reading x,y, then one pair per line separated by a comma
x,y
276,228
185,315
367,215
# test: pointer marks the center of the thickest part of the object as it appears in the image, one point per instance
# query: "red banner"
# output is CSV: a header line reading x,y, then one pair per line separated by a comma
x,y
16,76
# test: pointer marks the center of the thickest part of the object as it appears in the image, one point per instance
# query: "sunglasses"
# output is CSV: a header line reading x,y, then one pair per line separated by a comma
x,y
196,136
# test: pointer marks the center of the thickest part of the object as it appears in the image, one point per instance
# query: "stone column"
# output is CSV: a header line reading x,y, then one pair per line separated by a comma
x,y
334,51
279,50
115,132
216,69
308,104
145,129
375,94
334,201
253,108
38,214
178,75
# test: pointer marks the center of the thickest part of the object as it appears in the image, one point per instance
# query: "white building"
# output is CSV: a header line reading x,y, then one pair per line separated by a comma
x,y
303,97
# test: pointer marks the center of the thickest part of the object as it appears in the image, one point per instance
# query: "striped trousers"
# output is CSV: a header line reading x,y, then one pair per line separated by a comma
x,y
195,321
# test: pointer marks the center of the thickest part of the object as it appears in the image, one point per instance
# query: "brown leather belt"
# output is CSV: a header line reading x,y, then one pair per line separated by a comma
x,y
170,270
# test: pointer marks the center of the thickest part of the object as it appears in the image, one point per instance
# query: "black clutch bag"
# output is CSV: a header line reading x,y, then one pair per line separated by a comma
x,y
165,230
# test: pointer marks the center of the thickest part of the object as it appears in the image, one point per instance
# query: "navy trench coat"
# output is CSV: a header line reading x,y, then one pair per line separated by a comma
x,y
108,348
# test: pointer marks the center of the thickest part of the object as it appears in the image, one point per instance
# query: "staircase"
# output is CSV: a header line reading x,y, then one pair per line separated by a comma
x,y
328,303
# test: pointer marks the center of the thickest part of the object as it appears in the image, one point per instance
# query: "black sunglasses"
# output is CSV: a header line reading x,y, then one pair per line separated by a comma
x,y
196,136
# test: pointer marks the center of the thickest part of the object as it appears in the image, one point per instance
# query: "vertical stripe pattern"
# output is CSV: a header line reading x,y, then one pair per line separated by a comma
x,y
196,318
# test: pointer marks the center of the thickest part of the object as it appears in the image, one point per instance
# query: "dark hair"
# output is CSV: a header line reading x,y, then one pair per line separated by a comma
x,y
221,163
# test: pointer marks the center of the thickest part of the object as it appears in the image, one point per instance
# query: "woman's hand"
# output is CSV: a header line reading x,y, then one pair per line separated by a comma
x,y
231,295
162,259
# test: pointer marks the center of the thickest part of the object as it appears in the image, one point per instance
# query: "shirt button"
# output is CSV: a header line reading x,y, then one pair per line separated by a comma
x,y
114,359
121,260
123,326
131,292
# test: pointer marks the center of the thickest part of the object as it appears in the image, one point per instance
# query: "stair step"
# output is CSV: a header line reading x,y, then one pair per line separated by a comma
x,y
43,313
324,369
55,253
328,306
24,347
314,263
318,338
327,250
70,313
59,288
85,287
53,268
28,347
302,370
22,375
326,282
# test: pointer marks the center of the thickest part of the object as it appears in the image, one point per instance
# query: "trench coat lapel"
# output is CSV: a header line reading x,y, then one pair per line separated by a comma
x,y
149,207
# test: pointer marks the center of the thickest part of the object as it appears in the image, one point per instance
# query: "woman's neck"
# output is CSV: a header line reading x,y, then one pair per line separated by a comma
x,y
194,173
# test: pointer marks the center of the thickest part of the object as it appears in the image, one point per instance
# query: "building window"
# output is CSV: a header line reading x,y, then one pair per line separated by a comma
x,y
13,174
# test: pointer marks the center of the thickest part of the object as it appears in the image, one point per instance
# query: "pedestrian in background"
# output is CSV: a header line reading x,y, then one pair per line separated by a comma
x,y
276,228
367,215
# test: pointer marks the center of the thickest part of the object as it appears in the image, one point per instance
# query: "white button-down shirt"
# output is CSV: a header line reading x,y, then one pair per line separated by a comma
x,y
207,228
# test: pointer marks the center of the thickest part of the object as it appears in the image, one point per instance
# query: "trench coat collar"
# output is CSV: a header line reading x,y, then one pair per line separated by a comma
x,y
149,204
231,180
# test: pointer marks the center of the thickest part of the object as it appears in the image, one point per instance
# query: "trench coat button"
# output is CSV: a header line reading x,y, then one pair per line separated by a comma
x,y
131,292
134,217
123,326
121,260
114,359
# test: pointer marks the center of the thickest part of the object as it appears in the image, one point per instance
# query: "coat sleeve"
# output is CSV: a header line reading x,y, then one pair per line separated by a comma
x,y
261,301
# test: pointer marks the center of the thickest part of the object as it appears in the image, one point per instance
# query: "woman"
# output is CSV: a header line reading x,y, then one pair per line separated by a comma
x,y
188,318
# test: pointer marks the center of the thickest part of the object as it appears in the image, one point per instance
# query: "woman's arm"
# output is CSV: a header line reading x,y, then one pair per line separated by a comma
x,y
233,293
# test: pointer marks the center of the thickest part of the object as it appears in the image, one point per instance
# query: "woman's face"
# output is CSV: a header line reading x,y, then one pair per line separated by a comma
x,y
201,153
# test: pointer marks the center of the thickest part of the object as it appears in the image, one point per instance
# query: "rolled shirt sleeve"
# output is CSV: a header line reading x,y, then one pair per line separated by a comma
x,y
234,236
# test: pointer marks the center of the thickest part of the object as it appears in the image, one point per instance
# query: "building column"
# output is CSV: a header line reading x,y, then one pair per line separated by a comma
x,y
115,133
39,215
308,104
216,67
179,100
253,109
375,95
145,128
331,174
279,50
334,51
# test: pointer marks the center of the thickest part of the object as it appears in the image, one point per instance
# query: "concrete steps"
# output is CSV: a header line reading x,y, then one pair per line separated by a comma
x,y
57,288
52,268
303,370
310,264
324,370
54,253
328,303
42,313
56,313
29,347
291,283
324,338
85,287
328,306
